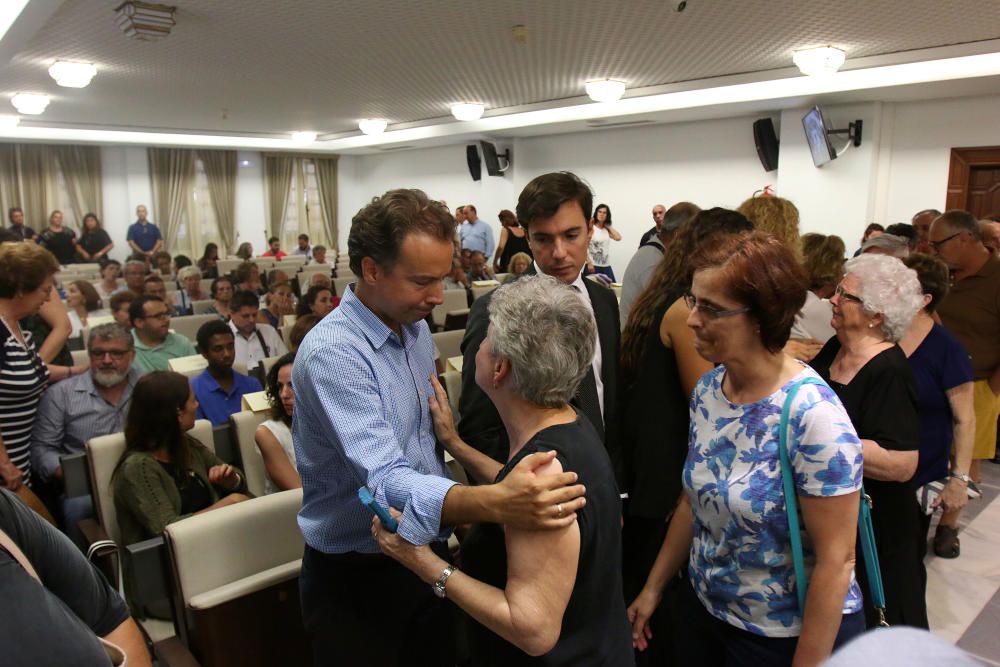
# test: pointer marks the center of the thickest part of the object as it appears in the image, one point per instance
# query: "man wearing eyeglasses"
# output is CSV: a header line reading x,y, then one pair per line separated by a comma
x,y
75,410
155,344
971,310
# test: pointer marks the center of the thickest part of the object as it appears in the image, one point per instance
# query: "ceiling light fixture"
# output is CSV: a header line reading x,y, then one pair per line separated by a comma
x,y
373,125
72,75
821,61
468,111
9,122
30,104
304,137
605,90
146,21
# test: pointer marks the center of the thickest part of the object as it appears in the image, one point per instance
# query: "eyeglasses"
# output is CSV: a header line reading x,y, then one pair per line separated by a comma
x,y
847,296
117,355
938,244
711,312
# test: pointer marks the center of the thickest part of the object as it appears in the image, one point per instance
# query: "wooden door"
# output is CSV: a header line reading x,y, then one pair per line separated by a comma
x,y
974,180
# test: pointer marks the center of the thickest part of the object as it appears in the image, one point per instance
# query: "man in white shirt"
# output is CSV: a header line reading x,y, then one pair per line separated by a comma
x,y
254,341
303,249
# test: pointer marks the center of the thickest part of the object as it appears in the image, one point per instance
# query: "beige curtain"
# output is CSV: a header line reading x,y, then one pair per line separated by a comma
x,y
220,170
36,167
171,171
326,180
81,170
278,178
10,194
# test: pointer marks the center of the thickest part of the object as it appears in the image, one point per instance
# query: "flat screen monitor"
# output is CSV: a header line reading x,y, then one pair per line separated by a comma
x,y
818,137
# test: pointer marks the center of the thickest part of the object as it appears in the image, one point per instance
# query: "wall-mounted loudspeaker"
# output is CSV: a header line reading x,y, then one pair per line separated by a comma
x,y
766,142
475,166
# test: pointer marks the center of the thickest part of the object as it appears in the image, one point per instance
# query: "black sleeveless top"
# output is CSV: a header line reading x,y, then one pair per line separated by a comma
x,y
654,427
513,246
595,630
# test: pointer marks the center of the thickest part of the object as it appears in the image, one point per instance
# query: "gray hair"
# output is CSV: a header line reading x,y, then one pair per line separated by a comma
x,y
889,244
135,262
547,334
187,272
110,331
888,288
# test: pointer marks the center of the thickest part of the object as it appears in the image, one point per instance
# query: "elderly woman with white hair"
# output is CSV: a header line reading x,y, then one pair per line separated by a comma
x,y
189,279
873,307
558,593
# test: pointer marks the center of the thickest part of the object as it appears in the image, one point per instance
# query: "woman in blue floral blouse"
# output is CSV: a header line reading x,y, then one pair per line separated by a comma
x,y
731,522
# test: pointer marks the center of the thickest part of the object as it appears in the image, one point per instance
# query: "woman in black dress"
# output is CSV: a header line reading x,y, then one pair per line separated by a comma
x,y
550,597
94,244
59,240
513,239
872,309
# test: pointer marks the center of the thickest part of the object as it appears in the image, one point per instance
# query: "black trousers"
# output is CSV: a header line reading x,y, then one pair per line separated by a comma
x,y
367,609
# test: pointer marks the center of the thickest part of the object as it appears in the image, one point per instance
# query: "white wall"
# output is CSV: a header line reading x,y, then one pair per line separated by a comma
x,y
251,207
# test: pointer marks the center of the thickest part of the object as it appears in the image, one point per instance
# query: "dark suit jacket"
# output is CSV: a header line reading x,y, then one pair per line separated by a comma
x,y
480,425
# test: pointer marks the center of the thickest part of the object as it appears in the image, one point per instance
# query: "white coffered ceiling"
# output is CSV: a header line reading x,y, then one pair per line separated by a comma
x,y
263,68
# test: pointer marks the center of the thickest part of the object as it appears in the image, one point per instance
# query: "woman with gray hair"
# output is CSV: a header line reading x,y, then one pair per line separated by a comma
x,y
189,279
533,593
873,307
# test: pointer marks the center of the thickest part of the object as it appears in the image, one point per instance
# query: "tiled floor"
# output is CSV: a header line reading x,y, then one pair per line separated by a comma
x,y
963,595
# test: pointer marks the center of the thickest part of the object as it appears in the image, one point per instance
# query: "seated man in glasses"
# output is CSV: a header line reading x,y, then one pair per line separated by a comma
x,y
82,407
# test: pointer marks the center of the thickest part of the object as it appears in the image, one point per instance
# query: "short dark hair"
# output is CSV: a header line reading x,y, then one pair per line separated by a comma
x,y
904,230
379,229
933,276
543,196
272,240
319,248
242,299
151,278
215,284
273,390
678,214
958,220
303,237
12,210
760,272
137,309
209,329
181,261
241,273
927,211
872,227
118,298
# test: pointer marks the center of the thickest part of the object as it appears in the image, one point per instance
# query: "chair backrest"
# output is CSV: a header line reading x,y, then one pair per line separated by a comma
x,y
205,285
233,544
188,325
201,307
448,343
226,266
452,381
103,453
454,299
500,277
286,331
267,362
244,425
292,261
340,284
480,290
80,357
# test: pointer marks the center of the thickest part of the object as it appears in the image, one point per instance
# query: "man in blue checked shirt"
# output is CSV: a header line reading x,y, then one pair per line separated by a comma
x,y
362,380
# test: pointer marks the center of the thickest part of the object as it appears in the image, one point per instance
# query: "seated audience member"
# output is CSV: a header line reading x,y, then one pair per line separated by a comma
x,y
246,277
318,255
873,229
219,389
190,280
739,597
275,276
208,264
155,343
465,258
319,301
164,474
135,275
905,231
108,284
64,604
280,302
119,305
153,285
245,251
274,436
457,279
164,264
82,301
519,263
254,342
941,367
777,216
886,244
478,269
321,280
221,292
302,326
823,260
182,261
873,307
303,249
274,248
553,593
80,408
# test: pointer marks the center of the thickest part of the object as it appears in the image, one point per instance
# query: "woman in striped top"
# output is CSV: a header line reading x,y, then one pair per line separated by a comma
x,y
26,279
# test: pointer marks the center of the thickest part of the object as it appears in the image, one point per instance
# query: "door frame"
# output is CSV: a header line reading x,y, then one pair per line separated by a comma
x,y
961,164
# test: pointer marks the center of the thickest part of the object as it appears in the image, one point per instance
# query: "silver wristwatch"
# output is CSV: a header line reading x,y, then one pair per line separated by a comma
x,y
439,585
964,478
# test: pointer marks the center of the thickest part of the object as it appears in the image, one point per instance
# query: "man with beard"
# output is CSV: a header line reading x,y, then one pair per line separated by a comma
x,y
75,410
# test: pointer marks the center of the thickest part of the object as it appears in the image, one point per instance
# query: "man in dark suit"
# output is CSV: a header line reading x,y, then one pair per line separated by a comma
x,y
555,210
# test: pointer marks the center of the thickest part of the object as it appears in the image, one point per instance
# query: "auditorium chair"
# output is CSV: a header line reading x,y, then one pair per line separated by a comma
x,y
455,300
188,325
243,425
448,343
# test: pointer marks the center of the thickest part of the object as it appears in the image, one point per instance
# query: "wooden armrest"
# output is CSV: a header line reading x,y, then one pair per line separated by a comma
x,y
172,652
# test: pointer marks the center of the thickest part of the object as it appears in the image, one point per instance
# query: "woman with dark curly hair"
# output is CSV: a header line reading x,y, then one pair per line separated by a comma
x,y
274,436
318,300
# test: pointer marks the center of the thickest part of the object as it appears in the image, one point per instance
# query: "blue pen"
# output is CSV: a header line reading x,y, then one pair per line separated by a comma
x,y
366,498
